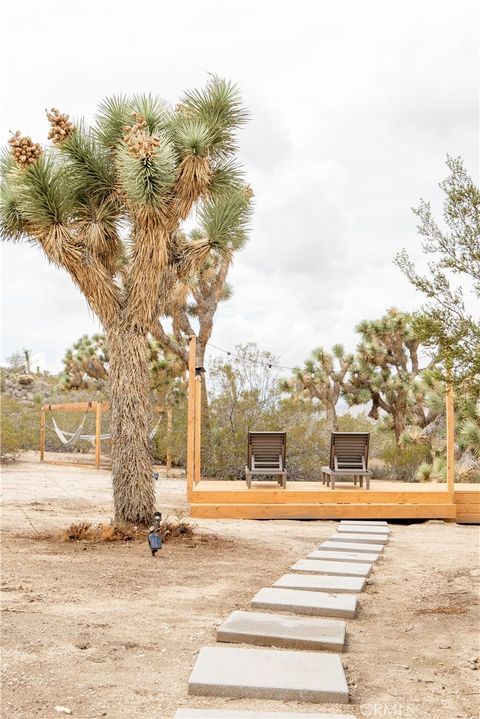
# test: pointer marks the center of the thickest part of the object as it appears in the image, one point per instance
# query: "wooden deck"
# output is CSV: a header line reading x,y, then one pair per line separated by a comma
x,y
312,500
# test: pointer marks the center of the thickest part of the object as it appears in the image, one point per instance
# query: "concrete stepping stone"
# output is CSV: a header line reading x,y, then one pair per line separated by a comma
x,y
287,675
343,569
329,545
361,557
321,583
278,630
357,537
383,531
318,604
239,714
364,522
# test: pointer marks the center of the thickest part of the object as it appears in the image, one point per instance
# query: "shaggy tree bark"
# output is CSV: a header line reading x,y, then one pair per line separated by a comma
x,y
133,490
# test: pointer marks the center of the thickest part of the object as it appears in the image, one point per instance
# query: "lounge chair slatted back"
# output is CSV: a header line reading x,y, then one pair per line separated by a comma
x,y
266,449
349,450
348,456
266,454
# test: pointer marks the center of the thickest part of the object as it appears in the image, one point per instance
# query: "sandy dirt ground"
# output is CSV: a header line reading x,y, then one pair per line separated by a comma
x,y
107,631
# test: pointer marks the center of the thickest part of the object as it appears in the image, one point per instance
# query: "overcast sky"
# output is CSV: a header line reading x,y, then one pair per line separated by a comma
x,y
354,107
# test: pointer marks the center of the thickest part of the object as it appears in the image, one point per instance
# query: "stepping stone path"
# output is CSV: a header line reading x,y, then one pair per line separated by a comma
x,y
358,537
319,604
229,714
321,583
363,530
324,585
269,674
343,569
329,545
362,523
277,630
361,557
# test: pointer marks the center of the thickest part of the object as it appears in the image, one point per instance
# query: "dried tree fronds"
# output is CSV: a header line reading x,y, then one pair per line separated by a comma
x,y
144,277
193,178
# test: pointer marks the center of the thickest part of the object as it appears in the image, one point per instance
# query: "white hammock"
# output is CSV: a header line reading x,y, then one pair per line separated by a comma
x,y
68,437
73,437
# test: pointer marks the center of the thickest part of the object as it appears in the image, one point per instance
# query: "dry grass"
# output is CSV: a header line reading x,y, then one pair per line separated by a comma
x,y
175,527
449,609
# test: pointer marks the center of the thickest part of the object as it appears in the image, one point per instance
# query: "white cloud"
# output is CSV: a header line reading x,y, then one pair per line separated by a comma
x,y
354,107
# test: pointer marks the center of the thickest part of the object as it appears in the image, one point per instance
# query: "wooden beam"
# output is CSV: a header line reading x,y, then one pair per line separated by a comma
x,y
169,439
192,347
76,407
323,511
450,419
42,435
198,429
98,432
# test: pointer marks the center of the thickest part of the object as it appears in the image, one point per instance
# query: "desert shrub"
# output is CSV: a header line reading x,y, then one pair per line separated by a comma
x,y
404,461
25,380
19,428
424,472
178,437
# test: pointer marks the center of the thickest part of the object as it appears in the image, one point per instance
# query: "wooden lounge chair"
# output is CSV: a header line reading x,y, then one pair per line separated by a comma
x,y
266,455
348,458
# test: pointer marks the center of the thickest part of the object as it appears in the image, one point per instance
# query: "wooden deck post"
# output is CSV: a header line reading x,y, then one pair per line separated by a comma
x,y
450,420
192,347
169,439
98,431
42,435
198,429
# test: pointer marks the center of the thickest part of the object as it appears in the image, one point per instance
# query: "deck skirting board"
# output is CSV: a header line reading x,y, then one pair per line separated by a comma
x,y
322,511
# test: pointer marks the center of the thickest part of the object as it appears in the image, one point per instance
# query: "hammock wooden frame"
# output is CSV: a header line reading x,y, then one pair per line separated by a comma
x,y
97,408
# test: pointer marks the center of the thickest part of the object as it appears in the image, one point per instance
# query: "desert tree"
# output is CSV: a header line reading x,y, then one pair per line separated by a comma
x,y
192,309
386,371
85,364
109,203
449,321
322,379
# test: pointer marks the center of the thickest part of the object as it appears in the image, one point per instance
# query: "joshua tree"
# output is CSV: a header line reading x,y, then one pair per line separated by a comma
x,y
84,362
323,378
386,371
27,354
199,302
107,204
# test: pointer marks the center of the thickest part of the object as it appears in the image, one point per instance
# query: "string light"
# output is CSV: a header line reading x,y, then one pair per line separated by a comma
x,y
248,359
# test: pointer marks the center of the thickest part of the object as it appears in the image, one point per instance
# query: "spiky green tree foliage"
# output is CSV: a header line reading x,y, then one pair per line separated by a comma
x,y
450,321
322,380
85,364
386,372
108,204
193,306
433,436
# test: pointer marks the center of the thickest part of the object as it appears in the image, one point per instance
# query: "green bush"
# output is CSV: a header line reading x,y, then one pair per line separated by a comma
x,y
19,428
403,462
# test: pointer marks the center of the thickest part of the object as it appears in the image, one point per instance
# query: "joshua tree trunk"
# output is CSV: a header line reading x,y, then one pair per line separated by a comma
x,y
331,416
132,479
